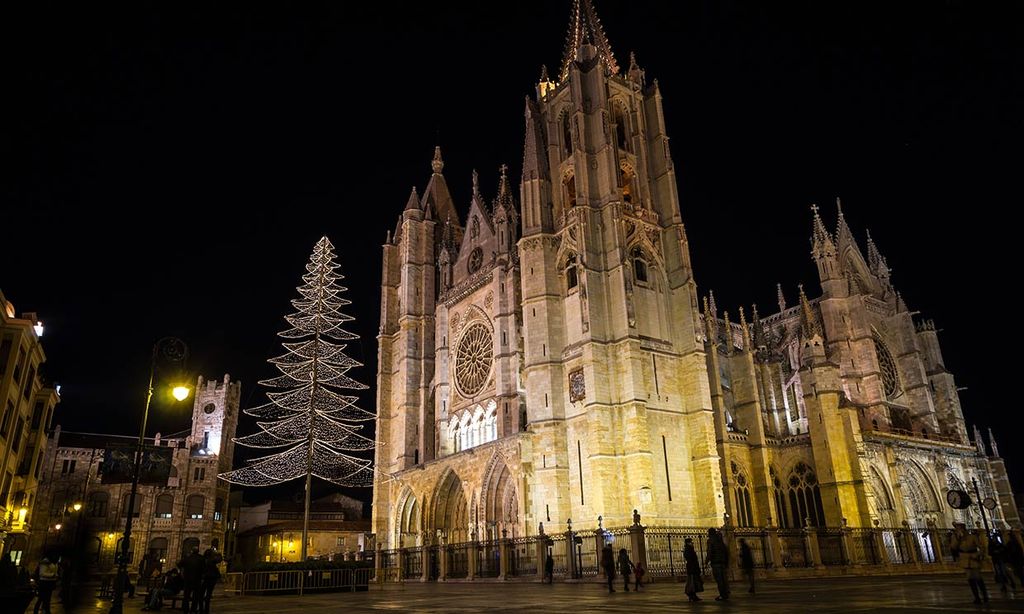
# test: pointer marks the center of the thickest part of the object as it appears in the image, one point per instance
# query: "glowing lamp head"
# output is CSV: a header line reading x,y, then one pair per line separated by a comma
x,y
77,507
38,326
58,526
110,536
180,392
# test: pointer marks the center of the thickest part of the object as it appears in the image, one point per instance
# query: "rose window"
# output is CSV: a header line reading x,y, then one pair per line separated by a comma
x,y
474,359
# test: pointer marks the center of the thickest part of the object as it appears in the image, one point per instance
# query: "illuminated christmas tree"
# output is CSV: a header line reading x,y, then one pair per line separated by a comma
x,y
319,425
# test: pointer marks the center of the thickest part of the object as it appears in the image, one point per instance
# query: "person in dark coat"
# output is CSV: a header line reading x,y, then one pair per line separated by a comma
x,y
211,575
549,569
694,580
718,558
192,567
625,568
166,585
608,565
998,553
747,562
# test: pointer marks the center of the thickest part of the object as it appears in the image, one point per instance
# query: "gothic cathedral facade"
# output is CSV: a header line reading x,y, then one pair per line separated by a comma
x,y
550,360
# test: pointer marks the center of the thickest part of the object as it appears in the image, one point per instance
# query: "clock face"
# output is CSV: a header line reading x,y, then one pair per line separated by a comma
x,y
210,408
958,499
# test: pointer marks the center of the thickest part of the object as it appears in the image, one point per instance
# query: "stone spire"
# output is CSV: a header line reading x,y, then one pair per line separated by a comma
x,y
992,443
781,297
758,333
635,73
476,186
842,230
504,192
807,317
711,300
437,164
876,261
979,442
745,330
821,242
727,330
414,201
585,29
710,322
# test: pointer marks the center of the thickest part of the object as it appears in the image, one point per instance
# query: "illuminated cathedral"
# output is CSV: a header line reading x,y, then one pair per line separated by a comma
x,y
546,354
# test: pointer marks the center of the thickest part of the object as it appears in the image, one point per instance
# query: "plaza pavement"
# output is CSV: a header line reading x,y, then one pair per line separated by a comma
x,y
896,594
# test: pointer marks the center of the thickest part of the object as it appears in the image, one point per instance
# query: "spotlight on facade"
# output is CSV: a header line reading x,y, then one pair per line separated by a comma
x,y
180,392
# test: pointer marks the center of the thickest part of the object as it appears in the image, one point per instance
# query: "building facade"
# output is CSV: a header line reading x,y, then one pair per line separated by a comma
x,y
551,359
271,532
26,408
168,519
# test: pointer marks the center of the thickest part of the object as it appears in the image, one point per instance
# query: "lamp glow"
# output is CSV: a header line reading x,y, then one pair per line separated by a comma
x,y
38,326
58,526
77,507
110,536
180,392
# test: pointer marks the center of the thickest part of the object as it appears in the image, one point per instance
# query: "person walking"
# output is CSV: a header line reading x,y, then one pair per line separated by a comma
x,y
47,574
970,554
625,568
747,563
549,569
192,567
639,571
998,551
211,575
718,558
608,565
694,574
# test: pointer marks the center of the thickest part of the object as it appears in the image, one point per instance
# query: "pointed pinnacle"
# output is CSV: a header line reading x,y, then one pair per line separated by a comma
x,y
437,164
841,227
476,185
728,331
414,200
745,330
781,297
714,307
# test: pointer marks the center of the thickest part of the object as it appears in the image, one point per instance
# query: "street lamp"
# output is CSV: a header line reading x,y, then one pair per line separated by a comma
x,y
171,349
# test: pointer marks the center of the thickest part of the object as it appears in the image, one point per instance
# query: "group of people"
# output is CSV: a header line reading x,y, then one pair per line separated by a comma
x,y
970,549
196,575
717,557
609,564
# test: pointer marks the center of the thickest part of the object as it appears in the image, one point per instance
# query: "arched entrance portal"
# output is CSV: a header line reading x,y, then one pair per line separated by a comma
x,y
501,502
451,514
409,521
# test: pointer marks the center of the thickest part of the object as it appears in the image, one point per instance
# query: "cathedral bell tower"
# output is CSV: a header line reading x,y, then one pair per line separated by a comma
x,y
611,326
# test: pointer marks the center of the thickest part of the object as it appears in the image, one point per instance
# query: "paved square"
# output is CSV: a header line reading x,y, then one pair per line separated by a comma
x,y
926,593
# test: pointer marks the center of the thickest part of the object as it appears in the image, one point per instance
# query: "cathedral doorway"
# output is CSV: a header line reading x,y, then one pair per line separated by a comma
x,y
409,521
451,513
501,502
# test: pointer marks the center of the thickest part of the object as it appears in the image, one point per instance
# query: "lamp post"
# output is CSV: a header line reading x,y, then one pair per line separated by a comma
x,y
174,350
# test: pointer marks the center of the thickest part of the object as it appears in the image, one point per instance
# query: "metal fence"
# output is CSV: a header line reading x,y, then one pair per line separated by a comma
x,y
831,549
758,542
558,548
863,546
389,565
295,581
794,548
488,559
523,557
458,560
665,549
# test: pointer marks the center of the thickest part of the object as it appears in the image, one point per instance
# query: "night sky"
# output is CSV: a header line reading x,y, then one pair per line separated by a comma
x,y
169,168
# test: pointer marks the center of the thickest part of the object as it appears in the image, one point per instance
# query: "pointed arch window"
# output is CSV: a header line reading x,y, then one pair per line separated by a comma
x,y
639,265
566,125
621,129
741,495
569,190
805,497
572,278
780,499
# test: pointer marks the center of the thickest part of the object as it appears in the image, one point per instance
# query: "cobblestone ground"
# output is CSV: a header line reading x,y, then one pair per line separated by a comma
x,y
898,594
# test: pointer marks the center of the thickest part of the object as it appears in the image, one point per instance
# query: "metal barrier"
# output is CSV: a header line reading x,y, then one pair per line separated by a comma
x,y
458,560
559,554
412,563
389,565
830,548
488,559
863,544
523,556
758,542
298,581
794,548
665,549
